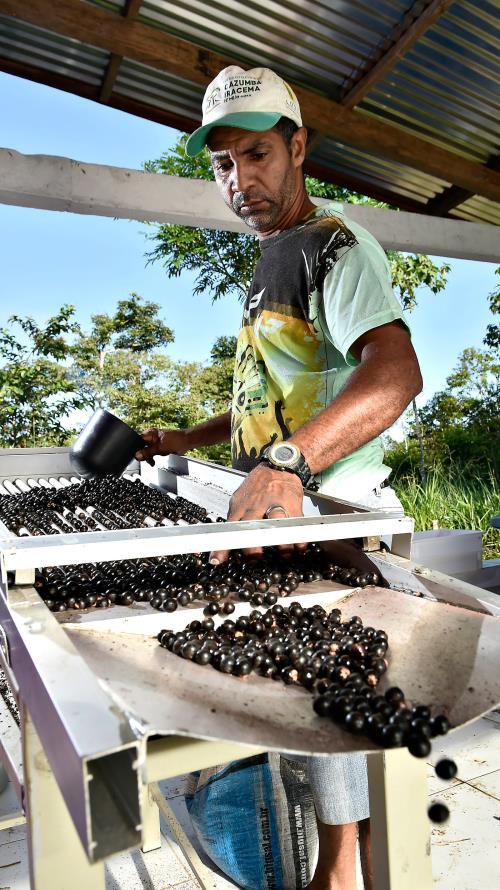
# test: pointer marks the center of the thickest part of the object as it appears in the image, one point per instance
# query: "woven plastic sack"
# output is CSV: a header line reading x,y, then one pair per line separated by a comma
x,y
255,819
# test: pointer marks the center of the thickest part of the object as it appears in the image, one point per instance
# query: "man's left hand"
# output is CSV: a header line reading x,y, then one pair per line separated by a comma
x,y
263,488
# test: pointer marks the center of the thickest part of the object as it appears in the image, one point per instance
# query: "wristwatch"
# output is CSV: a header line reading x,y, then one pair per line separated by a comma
x,y
286,456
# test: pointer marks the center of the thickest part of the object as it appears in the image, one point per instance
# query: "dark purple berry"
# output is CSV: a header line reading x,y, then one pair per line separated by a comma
x,y
438,813
446,769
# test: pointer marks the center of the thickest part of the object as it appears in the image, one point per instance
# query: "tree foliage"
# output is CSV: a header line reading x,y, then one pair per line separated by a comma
x,y
116,352
492,337
37,392
409,272
460,424
50,374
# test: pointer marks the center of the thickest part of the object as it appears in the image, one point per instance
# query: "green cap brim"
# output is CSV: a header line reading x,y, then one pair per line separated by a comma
x,y
245,120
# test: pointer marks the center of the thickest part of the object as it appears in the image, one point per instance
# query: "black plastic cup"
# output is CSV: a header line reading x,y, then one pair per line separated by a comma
x,y
105,446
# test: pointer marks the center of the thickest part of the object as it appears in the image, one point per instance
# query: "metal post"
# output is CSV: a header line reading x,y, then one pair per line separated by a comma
x,y
203,874
401,845
151,833
57,859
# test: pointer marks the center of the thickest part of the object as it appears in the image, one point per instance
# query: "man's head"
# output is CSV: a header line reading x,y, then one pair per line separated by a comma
x,y
253,129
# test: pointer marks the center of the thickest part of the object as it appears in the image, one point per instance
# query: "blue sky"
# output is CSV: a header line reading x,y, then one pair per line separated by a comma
x,y
50,258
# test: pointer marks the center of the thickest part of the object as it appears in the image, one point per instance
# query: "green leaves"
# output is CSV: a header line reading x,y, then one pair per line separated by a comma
x,y
492,337
413,271
36,390
50,371
177,163
224,261
51,339
224,348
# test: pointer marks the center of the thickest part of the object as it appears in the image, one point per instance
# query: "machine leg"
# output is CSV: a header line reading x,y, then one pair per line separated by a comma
x,y
400,827
151,833
205,877
57,859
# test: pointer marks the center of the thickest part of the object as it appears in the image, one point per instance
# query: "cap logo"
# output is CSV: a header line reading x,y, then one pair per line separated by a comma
x,y
213,99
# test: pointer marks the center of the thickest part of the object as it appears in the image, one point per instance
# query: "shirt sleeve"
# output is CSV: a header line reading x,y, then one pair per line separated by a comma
x,y
358,296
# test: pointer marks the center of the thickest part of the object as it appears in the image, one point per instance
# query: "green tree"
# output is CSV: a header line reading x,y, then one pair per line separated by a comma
x,y
409,273
461,424
224,348
492,337
37,390
151,390
118,349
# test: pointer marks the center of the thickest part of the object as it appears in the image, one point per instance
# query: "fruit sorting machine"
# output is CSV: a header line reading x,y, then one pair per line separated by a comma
x,y
107,712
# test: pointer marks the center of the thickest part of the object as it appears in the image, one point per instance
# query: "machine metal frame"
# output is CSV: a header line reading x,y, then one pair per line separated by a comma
x,y
86,755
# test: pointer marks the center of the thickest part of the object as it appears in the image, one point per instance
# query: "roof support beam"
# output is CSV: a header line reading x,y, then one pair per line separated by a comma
x,y
357,184
52,183
187,125
151,46
453,196
130,11
415,23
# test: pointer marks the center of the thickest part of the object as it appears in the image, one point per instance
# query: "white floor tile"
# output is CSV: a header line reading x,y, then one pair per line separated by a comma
x,y
9,803
466,850
474,748
14,868
187,886
490,784
156,870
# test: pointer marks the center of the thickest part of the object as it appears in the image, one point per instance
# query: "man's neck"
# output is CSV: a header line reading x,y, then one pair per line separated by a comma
x,y
301,207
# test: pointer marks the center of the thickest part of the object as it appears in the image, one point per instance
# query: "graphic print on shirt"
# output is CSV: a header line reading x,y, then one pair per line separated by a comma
x,y
280,368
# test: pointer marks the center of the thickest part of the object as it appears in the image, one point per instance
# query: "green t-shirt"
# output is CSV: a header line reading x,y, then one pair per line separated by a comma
x,y
316,288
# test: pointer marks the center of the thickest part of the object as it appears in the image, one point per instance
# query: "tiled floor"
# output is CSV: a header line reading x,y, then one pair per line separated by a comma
x,y
465,852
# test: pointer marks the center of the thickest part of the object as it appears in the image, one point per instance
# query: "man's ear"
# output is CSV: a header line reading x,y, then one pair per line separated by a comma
x,y
298,145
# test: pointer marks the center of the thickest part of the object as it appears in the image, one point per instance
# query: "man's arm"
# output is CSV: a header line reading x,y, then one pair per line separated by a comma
x,y
213,431
375,395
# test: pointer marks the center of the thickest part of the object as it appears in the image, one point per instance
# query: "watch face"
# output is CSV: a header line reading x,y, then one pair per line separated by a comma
x,y
285,454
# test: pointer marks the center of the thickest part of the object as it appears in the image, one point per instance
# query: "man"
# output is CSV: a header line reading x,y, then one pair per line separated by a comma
x,y
324,364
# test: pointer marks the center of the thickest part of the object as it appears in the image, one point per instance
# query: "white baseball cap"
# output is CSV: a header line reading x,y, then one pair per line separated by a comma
x,y
251,100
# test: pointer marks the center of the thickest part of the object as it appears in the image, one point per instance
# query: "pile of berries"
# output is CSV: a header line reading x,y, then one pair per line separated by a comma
x,y
168,583
109,502
339,661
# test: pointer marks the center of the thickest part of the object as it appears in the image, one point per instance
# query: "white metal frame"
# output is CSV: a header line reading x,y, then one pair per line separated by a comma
x,y
53,183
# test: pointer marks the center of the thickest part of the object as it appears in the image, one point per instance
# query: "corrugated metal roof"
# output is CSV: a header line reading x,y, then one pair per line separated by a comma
x,y
325,43
478,209
445,89
378,171
37,46
149,85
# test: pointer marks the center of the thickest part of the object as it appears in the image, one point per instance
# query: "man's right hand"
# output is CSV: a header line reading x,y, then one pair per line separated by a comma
x,y
162,442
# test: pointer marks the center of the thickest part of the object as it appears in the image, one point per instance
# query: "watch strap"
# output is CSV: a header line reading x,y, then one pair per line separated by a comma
x,y
302,470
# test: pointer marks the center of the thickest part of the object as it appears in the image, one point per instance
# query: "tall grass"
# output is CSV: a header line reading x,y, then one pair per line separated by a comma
x,y
458,498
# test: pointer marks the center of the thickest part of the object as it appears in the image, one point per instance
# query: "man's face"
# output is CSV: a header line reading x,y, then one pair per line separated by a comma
x,y
256,174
